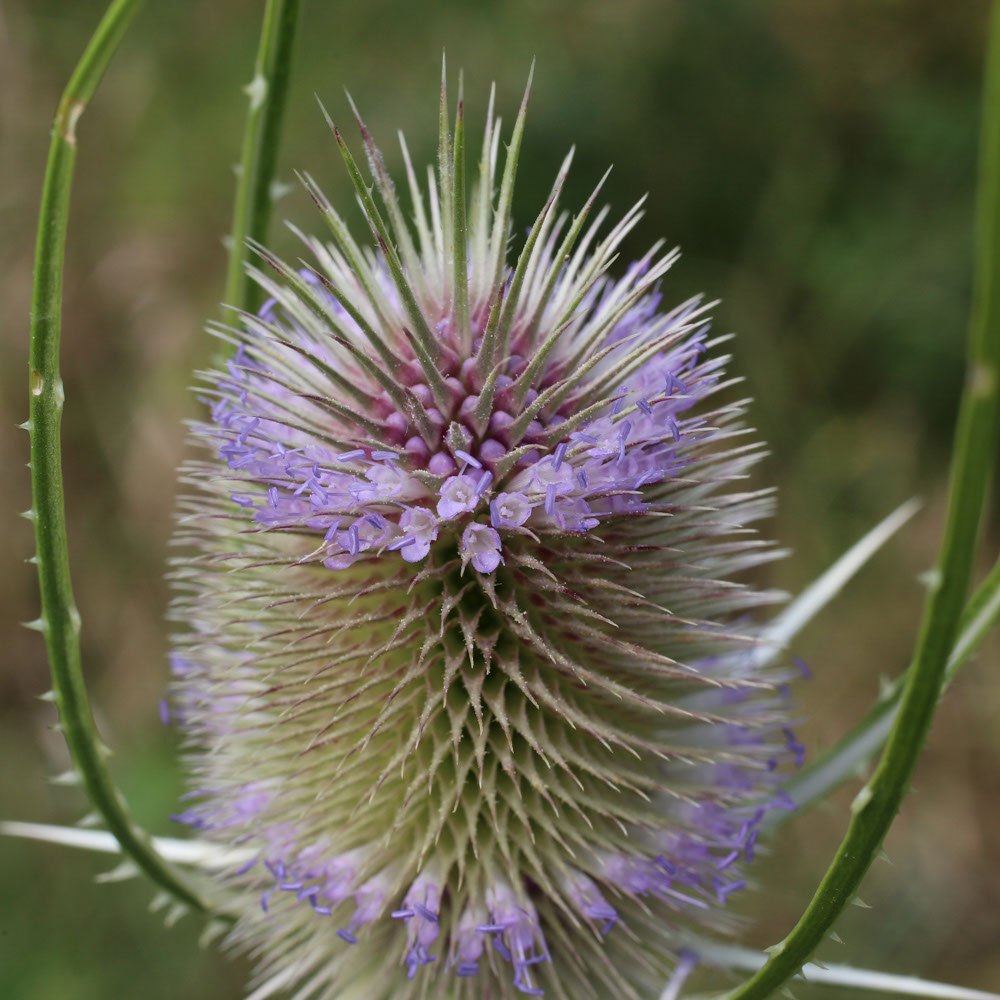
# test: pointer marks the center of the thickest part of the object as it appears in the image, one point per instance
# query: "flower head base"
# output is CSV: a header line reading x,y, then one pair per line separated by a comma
x,y
463,661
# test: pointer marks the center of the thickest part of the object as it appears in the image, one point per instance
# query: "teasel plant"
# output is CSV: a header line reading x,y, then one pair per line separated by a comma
x,y
474,699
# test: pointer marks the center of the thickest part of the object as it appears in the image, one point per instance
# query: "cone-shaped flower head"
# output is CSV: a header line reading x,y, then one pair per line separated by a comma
x,y
463,662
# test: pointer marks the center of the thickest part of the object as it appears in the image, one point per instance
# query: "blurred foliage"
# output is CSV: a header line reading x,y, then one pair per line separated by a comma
x,y
814,159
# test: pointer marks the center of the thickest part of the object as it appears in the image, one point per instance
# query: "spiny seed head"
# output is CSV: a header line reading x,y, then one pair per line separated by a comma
x,y
462,662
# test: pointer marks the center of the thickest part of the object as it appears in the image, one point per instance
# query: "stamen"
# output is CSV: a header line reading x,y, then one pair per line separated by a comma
x,y
727,860
724,891
401,543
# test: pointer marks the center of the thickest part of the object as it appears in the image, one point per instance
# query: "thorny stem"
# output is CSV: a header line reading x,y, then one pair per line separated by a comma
x,y
60,621
876,805
258,161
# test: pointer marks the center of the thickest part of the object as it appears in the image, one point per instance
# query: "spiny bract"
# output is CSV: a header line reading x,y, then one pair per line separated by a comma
x,y
462,667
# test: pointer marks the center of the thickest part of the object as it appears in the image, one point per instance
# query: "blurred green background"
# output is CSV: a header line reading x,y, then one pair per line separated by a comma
x,y
815,160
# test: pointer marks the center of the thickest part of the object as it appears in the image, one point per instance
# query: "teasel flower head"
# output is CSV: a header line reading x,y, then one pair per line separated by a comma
x,y
465,667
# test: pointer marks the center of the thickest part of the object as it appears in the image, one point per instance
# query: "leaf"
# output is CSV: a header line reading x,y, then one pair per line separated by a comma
x,y
745,959
199,853
852,752
786,625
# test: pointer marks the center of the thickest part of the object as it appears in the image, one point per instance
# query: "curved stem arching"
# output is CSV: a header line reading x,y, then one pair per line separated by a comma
x,y
59,621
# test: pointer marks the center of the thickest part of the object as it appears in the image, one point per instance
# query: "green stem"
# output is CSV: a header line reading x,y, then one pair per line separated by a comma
x,y
852,752
60,621
254,196
876,805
